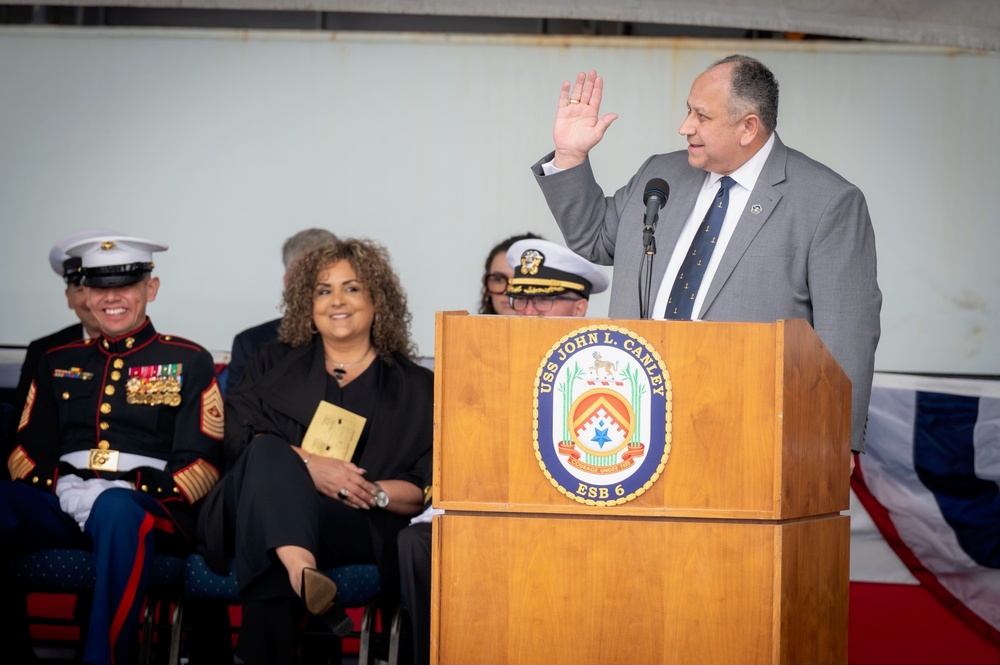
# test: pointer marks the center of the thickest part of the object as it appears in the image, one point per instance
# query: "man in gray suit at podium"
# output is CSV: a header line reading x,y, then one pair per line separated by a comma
x,y
751,230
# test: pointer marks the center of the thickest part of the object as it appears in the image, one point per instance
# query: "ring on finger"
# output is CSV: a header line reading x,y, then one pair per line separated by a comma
x,y
574,101
343,494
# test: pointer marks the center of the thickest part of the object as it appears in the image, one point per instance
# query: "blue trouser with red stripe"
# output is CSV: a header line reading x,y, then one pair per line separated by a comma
x,y
122,531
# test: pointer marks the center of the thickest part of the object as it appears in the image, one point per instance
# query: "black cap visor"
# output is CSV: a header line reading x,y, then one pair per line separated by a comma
x,y
73,270
108,276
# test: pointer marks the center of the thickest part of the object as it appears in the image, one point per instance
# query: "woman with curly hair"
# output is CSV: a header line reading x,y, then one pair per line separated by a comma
x,y
287,514
493,297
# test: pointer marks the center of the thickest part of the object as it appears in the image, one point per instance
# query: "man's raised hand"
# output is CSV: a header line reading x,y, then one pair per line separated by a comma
x,y
579,125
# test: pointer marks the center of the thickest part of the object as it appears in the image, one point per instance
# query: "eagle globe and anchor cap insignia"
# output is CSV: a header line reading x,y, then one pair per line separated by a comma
x,y
602,426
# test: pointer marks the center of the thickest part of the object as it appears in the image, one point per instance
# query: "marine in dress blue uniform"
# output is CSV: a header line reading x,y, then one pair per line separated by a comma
x,y
133,406
70,269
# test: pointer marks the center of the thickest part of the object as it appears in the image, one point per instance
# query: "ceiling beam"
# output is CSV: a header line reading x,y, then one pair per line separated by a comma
x,y
966,24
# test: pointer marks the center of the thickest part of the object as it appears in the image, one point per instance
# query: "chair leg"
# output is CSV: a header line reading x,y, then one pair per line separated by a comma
x,y
367,628
175,633
146,642
394,632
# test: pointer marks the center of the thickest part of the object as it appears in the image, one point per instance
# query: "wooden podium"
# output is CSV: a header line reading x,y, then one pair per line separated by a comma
x,y
736,553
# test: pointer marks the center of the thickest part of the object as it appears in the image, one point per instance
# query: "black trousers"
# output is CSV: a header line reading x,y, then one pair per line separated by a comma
x,y
274,503
415,578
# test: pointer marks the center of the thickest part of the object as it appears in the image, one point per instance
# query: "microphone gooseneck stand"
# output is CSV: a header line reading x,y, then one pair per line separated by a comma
x,y
646,270
654,198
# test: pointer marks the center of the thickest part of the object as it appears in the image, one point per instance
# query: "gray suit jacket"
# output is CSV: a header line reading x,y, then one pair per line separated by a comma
x,y
807,251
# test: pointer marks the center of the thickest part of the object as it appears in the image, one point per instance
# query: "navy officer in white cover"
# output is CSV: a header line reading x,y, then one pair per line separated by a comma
x,y
549,280
119,440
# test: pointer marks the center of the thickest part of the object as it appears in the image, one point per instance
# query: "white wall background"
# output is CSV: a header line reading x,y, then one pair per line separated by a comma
x,y
224,143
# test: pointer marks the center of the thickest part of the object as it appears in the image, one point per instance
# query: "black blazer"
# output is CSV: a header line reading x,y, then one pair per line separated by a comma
x,y
284,385
244,346
29,368
279,394
36,350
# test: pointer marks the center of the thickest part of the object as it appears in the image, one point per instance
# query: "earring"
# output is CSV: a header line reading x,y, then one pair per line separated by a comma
x,y
312,327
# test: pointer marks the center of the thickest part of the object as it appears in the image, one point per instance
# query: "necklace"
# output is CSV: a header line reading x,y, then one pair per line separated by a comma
x,y
340,371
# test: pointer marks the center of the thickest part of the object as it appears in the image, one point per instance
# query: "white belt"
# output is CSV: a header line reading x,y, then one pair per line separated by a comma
x,y
126,461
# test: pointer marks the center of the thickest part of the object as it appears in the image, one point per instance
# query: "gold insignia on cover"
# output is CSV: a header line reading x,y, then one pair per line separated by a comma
x,y
539,286
530,261
102,460
19,464
107,245
196,480
26,411
212,412
154,385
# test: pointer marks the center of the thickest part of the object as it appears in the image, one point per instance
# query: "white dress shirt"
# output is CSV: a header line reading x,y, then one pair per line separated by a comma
x,y
745,177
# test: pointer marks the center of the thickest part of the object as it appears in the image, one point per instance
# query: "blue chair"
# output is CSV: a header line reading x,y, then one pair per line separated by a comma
x,y
357,586
72,571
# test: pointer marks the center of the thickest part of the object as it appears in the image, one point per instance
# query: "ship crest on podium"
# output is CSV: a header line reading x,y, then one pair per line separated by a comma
x,y
603,407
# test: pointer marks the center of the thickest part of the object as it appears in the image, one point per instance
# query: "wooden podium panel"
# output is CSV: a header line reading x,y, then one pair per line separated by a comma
x,y
761,418
630,590
735,553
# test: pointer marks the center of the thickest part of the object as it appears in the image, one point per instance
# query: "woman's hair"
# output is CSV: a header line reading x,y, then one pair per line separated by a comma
x,y
370,261
486,302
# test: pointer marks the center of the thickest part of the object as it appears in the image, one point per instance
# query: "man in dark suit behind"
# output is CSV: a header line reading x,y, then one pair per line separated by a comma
x,y
246,342
69,268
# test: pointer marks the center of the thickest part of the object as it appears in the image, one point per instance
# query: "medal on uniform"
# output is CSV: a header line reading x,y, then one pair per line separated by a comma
x,y
154,385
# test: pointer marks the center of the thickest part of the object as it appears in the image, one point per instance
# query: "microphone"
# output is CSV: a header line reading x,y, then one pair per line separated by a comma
x,y
655,197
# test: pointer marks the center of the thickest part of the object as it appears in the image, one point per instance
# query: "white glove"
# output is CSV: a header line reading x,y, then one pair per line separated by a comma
x,y
77,496
427,515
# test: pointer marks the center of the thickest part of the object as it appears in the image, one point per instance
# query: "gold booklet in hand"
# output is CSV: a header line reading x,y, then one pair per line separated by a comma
x,y
333,432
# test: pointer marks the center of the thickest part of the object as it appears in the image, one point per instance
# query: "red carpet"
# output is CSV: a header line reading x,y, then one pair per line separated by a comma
x,y
905,624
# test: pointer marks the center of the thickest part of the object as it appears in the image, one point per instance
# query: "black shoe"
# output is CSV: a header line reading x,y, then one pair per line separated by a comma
x,y
337,621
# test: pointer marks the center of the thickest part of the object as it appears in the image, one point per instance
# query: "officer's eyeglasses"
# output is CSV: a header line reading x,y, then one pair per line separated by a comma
x,y
541,304
496,283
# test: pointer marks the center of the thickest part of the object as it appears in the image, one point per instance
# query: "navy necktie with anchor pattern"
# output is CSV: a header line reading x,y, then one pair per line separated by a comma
x,y
685,289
